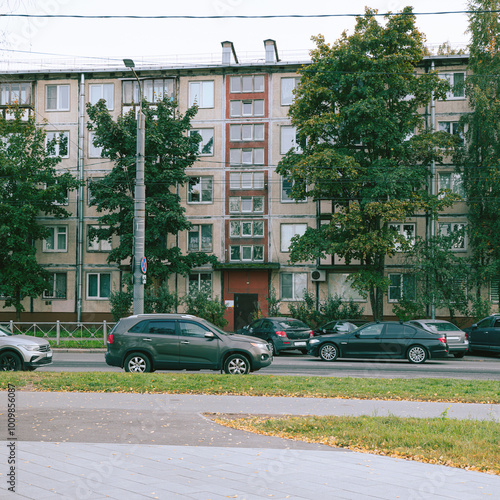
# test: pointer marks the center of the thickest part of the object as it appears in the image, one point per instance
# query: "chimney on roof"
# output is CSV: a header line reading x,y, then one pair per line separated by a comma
x,y
271,51
228,53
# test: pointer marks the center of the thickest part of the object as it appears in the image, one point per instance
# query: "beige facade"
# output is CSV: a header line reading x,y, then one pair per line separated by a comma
x,y
242,214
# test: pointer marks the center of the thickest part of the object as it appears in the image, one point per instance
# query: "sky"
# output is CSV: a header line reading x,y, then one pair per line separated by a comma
x,y
127,38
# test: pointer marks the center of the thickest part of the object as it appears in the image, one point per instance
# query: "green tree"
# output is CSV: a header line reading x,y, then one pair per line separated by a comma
x,y
30,186
200,304
169,150
355,109
480,161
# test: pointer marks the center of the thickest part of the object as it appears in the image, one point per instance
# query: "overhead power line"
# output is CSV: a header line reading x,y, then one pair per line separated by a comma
x,y
271,16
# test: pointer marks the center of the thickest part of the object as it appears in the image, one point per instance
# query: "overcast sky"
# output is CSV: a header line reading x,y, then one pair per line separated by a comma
x,y
135,38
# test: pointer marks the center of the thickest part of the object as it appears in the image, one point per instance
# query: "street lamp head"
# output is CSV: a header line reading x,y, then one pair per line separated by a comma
x,y
129,63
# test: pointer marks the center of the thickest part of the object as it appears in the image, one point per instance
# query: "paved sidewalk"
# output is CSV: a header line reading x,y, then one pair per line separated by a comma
x,y
135,446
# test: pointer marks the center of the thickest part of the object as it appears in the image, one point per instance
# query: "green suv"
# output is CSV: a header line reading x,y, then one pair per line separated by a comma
x,y
149,342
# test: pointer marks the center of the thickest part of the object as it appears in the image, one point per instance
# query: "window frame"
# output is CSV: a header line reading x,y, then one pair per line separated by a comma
x,y
57,232
201,179
199,280
50,136
293,225
242,249
288,198
452,183
198,228
241,223
255,180
100,242
296,295
241,198
455,248
288,101
401,231
204,143
241,113
450,77
110,103
210,104
241,78
402,286
54,295
252,126
6,88
253,152
99,286
294,144
58,97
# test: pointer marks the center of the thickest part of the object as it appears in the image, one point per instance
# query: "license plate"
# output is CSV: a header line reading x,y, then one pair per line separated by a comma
x,y
303,344
453,338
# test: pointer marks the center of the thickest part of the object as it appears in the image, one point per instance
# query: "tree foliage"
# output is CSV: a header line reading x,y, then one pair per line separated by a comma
x,y
355,109
169,151
30,186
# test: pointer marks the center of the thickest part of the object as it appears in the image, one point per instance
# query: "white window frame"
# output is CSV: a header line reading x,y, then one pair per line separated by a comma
x,y
287,96
240,201
494,283
454,183
56,232
207,135
451,127
247,156
249,250
298,280
400,286
198,228
93,151
53,295
294,229
241,132
98,245
403,229
339,285
452,227
15,93
246,180
285,198
62,93
289,139
202,93
106,91
236,84
131,92
200,278
237,108
450,77
57,136
236,228
99,278
203,180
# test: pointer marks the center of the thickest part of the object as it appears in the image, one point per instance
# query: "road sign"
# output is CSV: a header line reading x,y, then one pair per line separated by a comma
x,y
144,265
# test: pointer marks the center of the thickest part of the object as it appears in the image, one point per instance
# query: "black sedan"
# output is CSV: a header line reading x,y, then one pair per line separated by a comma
x,y
385,339
283,334
337,326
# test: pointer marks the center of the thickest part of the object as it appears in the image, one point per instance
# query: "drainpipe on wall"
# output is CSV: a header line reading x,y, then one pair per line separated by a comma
x,y
433,184
79,201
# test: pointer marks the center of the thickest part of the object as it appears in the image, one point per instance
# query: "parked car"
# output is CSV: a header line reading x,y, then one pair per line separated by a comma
x,y
484,336
149,342
337,326
283,334
457,339
22,352
386,339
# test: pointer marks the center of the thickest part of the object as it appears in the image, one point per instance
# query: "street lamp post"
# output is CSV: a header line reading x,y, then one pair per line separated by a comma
x,y
139,204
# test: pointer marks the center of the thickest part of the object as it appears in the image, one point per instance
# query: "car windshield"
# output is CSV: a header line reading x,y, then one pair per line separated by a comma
x,y
292,324
4,332
443,327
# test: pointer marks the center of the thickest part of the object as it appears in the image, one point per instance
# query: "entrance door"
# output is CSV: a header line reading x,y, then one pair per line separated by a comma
x,y
245,305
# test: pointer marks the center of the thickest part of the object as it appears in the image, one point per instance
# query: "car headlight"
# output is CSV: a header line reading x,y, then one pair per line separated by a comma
x,y
29,347
259,344
313,341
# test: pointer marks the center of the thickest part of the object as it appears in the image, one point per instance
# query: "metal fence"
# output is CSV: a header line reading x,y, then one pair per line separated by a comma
x,y
61,332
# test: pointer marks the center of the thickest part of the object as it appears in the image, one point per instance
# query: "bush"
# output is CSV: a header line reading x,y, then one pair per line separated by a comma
x,y
121,304
160,300
199,304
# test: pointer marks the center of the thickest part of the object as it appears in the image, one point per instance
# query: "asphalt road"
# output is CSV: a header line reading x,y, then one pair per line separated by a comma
x,y
470,367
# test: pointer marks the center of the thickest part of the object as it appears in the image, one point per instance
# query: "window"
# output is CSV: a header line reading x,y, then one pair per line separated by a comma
x,y
57,289
201,94
247,83
288,231
246,229
453,182
405,230
452,128
15,93
246,108
153,90
293,286
200,238
57,240
94,151
57,98
206,144
458,230
90,196
401,286
97,245
340,285
246,180
160,327
200,190
248,156
494,289
246,253
191,329
457,83
200,282
286,191
57,144
98,285
102,91
287,87
246,204
247,132
289,139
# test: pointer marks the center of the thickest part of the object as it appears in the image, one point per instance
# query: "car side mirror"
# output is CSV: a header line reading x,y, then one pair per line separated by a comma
x,y
209,335
324,330
474,325
250,330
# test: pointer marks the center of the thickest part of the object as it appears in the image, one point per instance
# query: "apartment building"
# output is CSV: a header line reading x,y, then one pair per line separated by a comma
x,y
240,208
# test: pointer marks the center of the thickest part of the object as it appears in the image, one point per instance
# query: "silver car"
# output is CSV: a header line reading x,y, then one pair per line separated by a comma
x,y
458,342
21,352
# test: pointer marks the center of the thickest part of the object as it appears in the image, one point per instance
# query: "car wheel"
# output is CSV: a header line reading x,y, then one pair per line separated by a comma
x,y
274,351
137,363
416,354
9,362
236,364
328,352
459,354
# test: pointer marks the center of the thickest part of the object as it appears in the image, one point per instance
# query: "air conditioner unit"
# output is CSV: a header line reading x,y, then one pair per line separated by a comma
x,y
318,275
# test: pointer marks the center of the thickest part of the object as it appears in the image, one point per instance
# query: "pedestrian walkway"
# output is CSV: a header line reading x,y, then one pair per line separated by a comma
x,y
136,446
